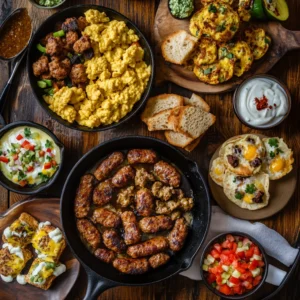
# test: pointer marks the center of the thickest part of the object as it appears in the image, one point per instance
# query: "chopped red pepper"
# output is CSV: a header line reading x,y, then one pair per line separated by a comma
x,y
19,137
47,165
15,157
261,103
23,182
4,159
30,169
48,150
41,153
54,163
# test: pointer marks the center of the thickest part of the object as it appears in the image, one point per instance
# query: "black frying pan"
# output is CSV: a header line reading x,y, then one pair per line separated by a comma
x,y
102,276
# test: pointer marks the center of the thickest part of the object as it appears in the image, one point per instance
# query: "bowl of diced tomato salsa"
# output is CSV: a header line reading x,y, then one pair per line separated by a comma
x,y
31,157
234,265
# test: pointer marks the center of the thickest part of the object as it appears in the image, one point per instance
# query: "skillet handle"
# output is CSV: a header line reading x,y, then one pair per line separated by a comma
x,y
96,285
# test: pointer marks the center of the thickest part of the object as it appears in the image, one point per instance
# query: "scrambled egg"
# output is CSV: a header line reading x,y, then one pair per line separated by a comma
x,y
117,73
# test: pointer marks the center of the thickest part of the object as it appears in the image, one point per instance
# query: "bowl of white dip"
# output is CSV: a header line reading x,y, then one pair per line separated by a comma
x,y
262,102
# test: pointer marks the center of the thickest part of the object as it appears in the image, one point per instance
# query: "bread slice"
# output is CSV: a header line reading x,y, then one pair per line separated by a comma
x,y
194,144
178,46
160,103
178,139
159,121
173,118
194,121
196,100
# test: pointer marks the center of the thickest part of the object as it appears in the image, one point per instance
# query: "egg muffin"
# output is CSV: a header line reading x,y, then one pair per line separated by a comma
x,y
244,157
244,10
21,231
279,158
258,41
206,52
247,192
49,241
13,260
217,21
43,271
217,171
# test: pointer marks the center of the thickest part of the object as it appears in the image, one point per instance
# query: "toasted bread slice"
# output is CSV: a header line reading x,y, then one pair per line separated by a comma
x,y
194,144
159,121
173,118
194,121
196,100
178,139
178,46
160,103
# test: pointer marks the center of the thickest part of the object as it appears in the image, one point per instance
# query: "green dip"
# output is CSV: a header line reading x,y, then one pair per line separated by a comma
x,y
48,3
181,8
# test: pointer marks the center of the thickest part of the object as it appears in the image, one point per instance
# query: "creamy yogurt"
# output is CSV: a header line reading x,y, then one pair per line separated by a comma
x,y
261,102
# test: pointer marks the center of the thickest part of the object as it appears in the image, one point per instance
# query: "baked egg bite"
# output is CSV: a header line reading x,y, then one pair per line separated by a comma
x,y
244,157
21,231
217,171
279,158
244,10
247,192
48,241
206,52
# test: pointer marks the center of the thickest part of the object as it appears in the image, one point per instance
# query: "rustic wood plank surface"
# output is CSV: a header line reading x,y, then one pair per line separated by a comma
x,y
23,106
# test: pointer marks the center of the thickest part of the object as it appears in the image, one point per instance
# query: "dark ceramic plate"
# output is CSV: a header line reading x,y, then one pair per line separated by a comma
x,y
77,11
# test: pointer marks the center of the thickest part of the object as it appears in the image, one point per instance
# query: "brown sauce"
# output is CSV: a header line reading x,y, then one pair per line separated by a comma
x,y
15,34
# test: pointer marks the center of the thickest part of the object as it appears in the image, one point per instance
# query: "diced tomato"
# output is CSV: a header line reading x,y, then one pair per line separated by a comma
x,y
253,265
244,265
15,157
241,254
216,270
249,253
230,238
235,264
41,153
247,285
250,279
225,260
245,275
30,169
4,159
231,257
225,289
219,279
234,247
211,278
227,252
19,137
215,254
48,150
241,270
237,289
256,250
54,163
227,244
261,263
26,145
218,247
47,165
23,182
234,280
257,280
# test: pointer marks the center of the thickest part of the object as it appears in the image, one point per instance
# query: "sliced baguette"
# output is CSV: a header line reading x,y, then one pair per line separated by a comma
x,y
178,46
178,139
196,100
194,121
160,103
194,144
160,121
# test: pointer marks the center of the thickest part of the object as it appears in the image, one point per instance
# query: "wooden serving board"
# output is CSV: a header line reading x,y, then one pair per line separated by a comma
x,y
283,40
43,210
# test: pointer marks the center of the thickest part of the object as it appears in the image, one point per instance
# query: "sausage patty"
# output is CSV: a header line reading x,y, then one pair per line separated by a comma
x,y
105,255
103,193
149,247
113,241
132,266
89,233
123,177
83,196
178,234
158,260
167,173
141,156
144,202
106,217
155,224
132,234
108,165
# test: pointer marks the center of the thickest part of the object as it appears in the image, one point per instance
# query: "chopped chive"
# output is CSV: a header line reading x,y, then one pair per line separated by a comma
x,y
41,48
42,84
59,33
48,82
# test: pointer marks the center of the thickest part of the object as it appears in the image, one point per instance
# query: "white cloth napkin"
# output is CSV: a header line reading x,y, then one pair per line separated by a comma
x,y
274,244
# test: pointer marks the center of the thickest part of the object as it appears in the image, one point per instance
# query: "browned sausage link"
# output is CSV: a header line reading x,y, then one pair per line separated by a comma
x,y
113,241
141,156
144,202
149,247
105,255
103,193
158,260
132,266
155,224
167,173
123,177
106,217
89,233
178,234
132,234
83,196
108,165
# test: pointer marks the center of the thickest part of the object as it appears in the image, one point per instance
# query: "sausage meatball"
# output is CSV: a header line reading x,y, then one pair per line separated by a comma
x,y
70,24
144,202
78,74
126,196
71,37
82,44
54,46
103,193
149,247
158,260
178,234
132,266
83,196
132,234
123,177
106,217
108,165
141,156
41,66
142,177
105,255
167,174
89,233
155,224
82,23
113,241
60,69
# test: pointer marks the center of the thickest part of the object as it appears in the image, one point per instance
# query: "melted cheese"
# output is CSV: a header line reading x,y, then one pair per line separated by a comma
x,y
277,165
250,152
247,198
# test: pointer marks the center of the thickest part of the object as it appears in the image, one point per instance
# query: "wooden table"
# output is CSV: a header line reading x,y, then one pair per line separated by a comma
x,y
23,106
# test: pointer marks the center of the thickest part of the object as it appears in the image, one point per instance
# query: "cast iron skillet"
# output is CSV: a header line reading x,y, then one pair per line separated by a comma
x,y
77,11
102,276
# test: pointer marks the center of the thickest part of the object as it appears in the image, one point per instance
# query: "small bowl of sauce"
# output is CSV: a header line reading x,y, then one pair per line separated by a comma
x,y
262,102
15,34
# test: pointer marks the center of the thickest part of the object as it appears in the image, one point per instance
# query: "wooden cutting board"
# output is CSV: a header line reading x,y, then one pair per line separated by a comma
x,y
43,210
283,40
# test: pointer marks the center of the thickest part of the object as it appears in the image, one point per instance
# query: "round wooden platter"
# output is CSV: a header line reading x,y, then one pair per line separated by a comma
x,y
281,191
283,40
43,210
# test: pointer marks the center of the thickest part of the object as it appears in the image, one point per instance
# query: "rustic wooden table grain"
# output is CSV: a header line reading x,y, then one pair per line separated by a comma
x,y
23,106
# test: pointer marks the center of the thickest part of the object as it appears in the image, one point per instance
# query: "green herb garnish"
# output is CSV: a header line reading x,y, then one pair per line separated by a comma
x,y
27,132
207,71
250,188
43,177
272,154
212,8
50,265
233,28
21,175
239,195
222,10
48,144
221,28
273,142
